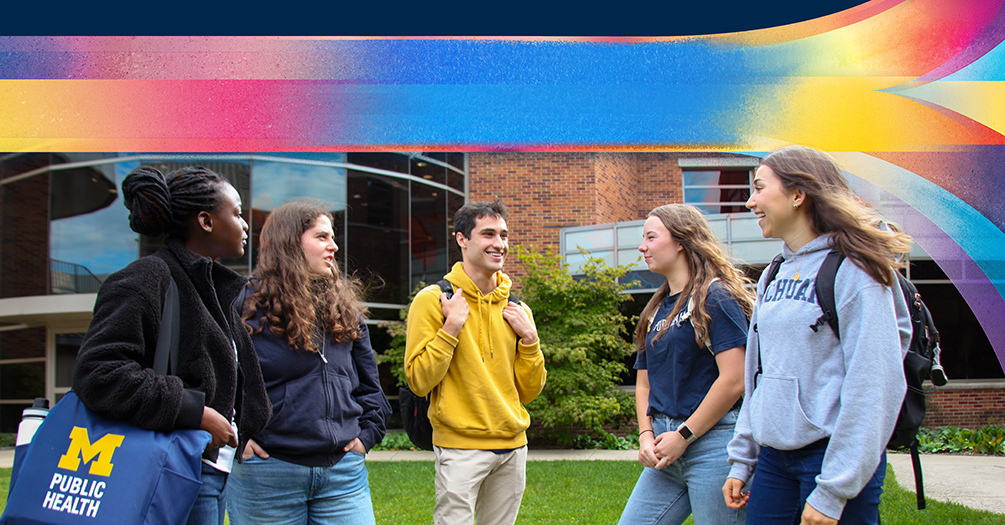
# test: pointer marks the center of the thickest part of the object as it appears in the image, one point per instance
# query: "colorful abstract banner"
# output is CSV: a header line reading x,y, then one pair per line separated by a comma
x,y
910,95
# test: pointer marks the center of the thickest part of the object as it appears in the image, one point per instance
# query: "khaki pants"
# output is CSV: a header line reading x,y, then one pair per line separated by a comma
x,y
478,482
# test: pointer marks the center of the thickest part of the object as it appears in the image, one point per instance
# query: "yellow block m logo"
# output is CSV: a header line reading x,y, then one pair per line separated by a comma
x,y
80,446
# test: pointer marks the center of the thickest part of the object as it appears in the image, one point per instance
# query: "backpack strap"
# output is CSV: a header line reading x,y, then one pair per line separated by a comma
x,y
824,287
771,271
166,355
448,289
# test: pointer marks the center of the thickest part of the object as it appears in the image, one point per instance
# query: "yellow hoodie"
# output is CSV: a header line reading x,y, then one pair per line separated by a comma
x,y
479,380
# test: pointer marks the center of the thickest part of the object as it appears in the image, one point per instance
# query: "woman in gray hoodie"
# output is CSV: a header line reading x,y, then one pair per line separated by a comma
x,y
817,423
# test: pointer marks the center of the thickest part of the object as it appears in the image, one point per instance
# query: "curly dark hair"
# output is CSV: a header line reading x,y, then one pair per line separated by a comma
x,y
291,300
165,204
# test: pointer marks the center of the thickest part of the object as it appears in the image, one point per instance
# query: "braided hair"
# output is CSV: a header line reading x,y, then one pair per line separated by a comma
x,y
159,204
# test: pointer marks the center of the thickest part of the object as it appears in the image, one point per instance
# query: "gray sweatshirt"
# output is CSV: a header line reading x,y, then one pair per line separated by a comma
x,y
814,386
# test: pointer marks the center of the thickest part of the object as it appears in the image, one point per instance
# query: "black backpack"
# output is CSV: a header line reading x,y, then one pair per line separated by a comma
x,y
415,409
920,363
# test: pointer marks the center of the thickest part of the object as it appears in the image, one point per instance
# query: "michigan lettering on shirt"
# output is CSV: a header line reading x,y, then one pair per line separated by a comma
x,y
790,289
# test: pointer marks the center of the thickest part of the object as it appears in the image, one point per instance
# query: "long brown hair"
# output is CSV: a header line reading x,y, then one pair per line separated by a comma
x,y
293,300
706,263
833,208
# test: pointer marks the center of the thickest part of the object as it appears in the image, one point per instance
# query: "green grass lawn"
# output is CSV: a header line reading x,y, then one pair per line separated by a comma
x,y
587,492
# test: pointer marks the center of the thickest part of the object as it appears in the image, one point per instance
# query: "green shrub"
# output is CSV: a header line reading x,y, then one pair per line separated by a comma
x,y
396,441
987,440
584,341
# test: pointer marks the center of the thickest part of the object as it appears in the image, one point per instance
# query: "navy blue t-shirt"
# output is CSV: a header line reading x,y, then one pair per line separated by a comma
x,y
680,371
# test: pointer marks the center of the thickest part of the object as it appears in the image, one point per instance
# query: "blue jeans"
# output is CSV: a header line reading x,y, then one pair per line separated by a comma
x,y
279,493
211,504
785,478
692,484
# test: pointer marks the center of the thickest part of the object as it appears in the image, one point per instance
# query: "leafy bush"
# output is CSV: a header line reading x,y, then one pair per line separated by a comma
x,y
987,440
583,338
396,441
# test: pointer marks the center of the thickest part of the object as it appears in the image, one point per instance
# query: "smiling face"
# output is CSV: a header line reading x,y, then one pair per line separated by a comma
x,y
485,252
229,233
773,204
661,252
319,246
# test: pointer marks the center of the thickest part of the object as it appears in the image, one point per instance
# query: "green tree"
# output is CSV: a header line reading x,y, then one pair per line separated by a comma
x,y
584,341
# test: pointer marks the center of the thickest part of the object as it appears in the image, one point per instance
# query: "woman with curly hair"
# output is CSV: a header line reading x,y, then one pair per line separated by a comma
x,y
690,339
306,321
819,409
216,384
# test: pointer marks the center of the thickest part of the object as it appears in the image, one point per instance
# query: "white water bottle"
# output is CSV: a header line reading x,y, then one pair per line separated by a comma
x,y
31,419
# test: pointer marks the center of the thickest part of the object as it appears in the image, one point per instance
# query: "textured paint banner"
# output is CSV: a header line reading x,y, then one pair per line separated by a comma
x,y
910,95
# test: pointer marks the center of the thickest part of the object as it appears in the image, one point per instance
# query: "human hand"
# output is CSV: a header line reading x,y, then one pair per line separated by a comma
x,y
733,492
253,449
517,317
813,516
455,312
646,454
356,445
667,447
218,427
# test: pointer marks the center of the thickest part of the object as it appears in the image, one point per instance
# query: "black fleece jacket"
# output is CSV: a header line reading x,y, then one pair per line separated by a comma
x,y
114,372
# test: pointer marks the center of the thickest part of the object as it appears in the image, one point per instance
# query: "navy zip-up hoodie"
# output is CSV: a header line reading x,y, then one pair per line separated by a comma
x,y
319,407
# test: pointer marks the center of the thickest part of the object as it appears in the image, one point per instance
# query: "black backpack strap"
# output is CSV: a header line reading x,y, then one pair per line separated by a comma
x,y
446,287
771,271
824,286
166,355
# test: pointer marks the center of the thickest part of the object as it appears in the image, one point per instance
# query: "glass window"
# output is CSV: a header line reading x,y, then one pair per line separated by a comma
x,y
395,162
589,240
275,182
717,191
454,203
378,234
429,234
91,239
431,171
67,346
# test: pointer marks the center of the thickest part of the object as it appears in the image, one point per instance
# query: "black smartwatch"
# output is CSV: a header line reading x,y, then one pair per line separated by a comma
x,y
685,432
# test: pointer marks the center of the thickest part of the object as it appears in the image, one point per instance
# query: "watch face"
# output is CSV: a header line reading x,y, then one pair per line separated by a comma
x,y
685,433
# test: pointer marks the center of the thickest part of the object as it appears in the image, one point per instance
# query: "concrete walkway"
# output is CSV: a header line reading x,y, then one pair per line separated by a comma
x,y
974,481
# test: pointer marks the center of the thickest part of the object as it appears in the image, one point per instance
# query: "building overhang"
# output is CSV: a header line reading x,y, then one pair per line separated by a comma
x,y
47,310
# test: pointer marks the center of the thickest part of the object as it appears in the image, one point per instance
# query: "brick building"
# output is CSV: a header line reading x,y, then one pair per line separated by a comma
x,y
62,231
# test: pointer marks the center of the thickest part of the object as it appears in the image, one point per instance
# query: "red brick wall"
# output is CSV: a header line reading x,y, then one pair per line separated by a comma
x,y
617,187
659,180
965,406
543,191
549,191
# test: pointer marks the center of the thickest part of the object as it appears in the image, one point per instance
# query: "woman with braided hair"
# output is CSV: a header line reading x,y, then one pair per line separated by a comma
x,y
306,322
201,214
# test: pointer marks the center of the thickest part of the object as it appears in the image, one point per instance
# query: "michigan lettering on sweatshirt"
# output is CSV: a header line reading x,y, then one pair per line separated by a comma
x,y
792,290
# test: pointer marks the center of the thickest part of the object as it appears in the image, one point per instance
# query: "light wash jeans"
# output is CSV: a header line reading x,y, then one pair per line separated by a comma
x,y
692,484
277,492
211,504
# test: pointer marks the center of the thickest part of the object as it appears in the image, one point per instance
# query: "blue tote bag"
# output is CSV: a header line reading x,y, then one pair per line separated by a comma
x,y
82,467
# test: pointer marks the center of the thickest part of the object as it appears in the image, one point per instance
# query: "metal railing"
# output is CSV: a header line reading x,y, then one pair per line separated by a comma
x,y
70,277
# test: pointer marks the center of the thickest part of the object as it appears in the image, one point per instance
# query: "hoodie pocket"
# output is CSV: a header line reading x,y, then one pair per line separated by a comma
x,y
777,416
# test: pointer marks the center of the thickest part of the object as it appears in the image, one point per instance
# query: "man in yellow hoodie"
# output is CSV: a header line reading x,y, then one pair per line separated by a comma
x,y
479,357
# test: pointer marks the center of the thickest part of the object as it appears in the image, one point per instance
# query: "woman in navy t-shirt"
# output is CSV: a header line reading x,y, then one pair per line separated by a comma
x,y
691,339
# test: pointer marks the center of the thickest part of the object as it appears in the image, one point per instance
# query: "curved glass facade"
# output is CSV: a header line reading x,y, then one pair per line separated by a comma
x,y
64,229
